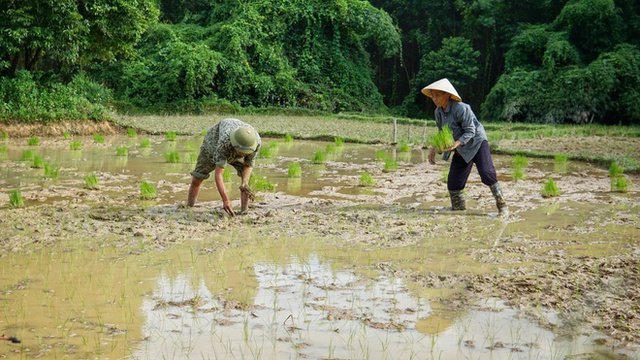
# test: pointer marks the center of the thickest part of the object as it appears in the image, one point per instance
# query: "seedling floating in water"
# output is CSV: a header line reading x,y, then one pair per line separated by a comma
x,y
147,191
15,198
366,179
294,170
91,182
442,140
550,189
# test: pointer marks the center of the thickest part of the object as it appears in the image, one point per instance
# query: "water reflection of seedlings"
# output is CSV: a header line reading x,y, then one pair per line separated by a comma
x,y
75,145
445,175
15,198
38,162
33,141
172,156
226,175
270,150
28,155
192,157
550,189
4,149
91,182
147,191
294,170
51,171
366,179
319,158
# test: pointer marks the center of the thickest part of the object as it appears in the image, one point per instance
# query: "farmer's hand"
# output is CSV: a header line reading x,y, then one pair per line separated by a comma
x,y
226,206
432,156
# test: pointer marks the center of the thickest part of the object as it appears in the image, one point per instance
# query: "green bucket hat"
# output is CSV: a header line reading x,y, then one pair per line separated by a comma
x,y
243,139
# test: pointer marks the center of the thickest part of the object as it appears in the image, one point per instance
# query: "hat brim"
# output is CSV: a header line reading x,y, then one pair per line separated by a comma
x,y
441,85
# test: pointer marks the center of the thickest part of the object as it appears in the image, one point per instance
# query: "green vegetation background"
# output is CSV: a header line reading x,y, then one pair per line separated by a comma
x,y
551,62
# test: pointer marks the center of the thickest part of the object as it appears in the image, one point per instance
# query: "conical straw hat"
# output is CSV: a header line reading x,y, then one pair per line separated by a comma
x,y
442,85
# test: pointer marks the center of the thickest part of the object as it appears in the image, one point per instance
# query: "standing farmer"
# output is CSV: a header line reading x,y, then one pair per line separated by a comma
x,y
229,141
471,144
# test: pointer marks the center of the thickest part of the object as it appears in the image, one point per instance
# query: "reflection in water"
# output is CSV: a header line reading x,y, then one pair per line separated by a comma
x,y
306,309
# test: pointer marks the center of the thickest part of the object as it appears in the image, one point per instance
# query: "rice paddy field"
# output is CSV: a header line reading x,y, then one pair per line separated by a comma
x,y
350,250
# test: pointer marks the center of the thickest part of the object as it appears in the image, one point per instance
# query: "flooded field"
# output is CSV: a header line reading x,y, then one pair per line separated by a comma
x,y
321,267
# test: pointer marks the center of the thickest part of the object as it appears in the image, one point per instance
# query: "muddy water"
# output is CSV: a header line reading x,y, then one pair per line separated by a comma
x,y
320,268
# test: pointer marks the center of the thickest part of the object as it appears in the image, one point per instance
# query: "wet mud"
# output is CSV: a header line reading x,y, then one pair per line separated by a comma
x,y
575,254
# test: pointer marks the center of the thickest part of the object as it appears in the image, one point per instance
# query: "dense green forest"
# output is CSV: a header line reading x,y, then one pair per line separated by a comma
x,y
542,61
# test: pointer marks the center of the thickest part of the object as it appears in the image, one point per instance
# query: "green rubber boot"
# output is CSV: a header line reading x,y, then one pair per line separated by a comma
x,y
457,200
503,209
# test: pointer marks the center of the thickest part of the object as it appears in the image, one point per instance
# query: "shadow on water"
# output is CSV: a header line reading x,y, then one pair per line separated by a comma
x,y
288,297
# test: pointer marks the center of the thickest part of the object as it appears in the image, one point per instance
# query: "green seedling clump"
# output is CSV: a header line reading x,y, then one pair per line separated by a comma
x,y
442,140
15,199
4,135
366,179
404,147
331,149
390,164
518,173
147,191
319,158
131,132
192,158
66,135
122,150
288,138
145,143
338,141
381,155
619,184
28,155
520,161
91,182
294,170
550,189
98,139
33,141
445,175
171,135
261,184
560,158
50,171
615,170
172,157
270,150
38,162
75,145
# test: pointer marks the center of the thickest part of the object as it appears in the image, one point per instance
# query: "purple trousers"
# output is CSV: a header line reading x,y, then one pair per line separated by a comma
x,y
460,169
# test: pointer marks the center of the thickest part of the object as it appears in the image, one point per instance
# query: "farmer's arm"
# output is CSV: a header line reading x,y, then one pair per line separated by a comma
x,y
226,202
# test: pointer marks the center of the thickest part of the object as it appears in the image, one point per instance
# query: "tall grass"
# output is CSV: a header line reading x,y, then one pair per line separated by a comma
x,y
294,170
147,191
15,199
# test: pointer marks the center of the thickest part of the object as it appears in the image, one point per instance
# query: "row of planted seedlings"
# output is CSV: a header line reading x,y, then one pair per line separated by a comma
x,y
147,189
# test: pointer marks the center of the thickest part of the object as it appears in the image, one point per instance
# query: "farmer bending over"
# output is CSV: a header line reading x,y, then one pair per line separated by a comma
x,y
229,141
471,145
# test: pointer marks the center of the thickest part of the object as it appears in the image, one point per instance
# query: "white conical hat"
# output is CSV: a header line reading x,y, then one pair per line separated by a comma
x,y
442,85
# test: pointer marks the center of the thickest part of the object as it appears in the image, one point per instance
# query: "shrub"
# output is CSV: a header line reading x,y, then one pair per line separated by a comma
x,y
15,199
147,191
366,179
294,170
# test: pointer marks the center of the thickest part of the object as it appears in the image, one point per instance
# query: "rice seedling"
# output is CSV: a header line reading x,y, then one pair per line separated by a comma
x,y
619,184
131,132
147,191
390,164
615,170
270,150
331,149
561,158
66,135
38,162
381,155
145,143
75,145
189,146
288,138
91,182
366,179
404,147
4,135
518,173
15,199
294,170
520,161
226,175
33,141
98,139
338,141
4,149
550,189
51,172
445,176
319,158
28,155
192,158
172,156
122,150
442,139
171,135
260,184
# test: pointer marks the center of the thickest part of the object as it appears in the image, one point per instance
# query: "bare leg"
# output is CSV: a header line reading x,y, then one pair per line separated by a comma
x,y
193,191
245,201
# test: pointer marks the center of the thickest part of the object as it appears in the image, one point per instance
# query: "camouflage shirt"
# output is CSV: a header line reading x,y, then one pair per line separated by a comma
x,y
217,143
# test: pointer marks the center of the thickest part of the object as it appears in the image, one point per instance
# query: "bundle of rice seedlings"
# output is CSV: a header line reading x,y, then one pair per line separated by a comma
x,y
294,170
147,191
550,189
366,179
91,182
442,140
15,199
